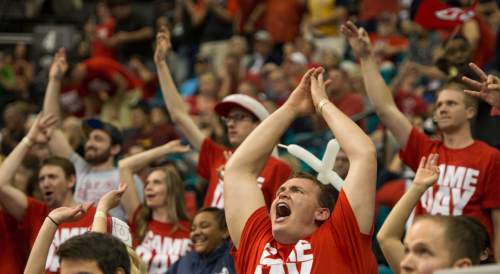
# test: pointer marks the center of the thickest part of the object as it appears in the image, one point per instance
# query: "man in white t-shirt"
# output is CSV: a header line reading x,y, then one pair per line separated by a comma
x,y
96,173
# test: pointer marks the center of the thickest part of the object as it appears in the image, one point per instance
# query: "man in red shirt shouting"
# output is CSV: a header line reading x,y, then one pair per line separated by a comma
x,y
302,233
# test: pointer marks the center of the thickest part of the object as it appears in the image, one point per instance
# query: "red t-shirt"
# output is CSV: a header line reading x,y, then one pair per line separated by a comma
x,y
410,104
162,246
337,245
212,161
14,245
33,220
282,19
103,31
104,68
468,179
390,193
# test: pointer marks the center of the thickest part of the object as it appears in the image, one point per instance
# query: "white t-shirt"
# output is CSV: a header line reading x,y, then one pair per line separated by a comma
x,y
92,185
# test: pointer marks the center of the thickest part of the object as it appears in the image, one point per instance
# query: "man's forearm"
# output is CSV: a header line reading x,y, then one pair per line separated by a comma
x,y
351,137
142,159
139,35
174,101
376,89
13,161
252,154
51,99
40,250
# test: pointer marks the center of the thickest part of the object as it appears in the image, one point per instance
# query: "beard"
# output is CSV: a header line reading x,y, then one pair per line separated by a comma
x,y
97,158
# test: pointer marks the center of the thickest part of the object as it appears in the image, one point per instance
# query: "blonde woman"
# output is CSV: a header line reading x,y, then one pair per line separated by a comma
x,y
160,226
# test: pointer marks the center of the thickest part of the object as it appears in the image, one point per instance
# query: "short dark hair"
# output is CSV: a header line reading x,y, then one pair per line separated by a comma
x,y
327,195
108,251
218,214
63,163
474,239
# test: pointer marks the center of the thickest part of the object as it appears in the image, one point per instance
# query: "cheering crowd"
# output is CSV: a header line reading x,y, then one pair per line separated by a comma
x,y
157,147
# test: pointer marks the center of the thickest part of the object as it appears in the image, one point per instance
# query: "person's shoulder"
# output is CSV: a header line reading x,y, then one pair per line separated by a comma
x,y
32,202
208,143
485,147
487,152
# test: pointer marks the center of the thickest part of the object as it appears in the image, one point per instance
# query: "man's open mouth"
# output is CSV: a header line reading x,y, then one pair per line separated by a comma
x,y
282,211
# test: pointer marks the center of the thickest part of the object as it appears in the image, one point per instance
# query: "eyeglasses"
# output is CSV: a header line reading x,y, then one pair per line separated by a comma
x,y
237,117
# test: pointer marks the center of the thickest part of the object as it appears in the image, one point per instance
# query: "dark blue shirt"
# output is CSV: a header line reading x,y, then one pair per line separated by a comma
x,y
218,262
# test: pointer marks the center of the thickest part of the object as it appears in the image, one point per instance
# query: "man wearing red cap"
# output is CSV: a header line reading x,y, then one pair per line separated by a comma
x,y
241,114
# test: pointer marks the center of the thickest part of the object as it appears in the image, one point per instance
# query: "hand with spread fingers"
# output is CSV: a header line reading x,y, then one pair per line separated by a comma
x,y
427,172
358,39
163,44
488,89
41,129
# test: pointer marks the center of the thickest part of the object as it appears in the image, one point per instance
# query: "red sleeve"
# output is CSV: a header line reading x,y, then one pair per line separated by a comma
x,y
418,145
279,172
257,232
209,152
390,193
492,193
495,111
33,218
345,232
232,6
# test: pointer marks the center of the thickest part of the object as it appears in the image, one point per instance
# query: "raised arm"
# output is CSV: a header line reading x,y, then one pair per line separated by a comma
x,y
135,162
242,169
176,106
40,250
59,146
12,199
379,94
360,183
391,232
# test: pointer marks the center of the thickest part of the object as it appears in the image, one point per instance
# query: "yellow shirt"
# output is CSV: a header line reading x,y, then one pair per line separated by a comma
x,y
321,9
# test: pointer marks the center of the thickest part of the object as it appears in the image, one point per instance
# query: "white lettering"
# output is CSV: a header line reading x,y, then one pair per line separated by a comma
x,y
61,235
159,253
456,186
299,260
